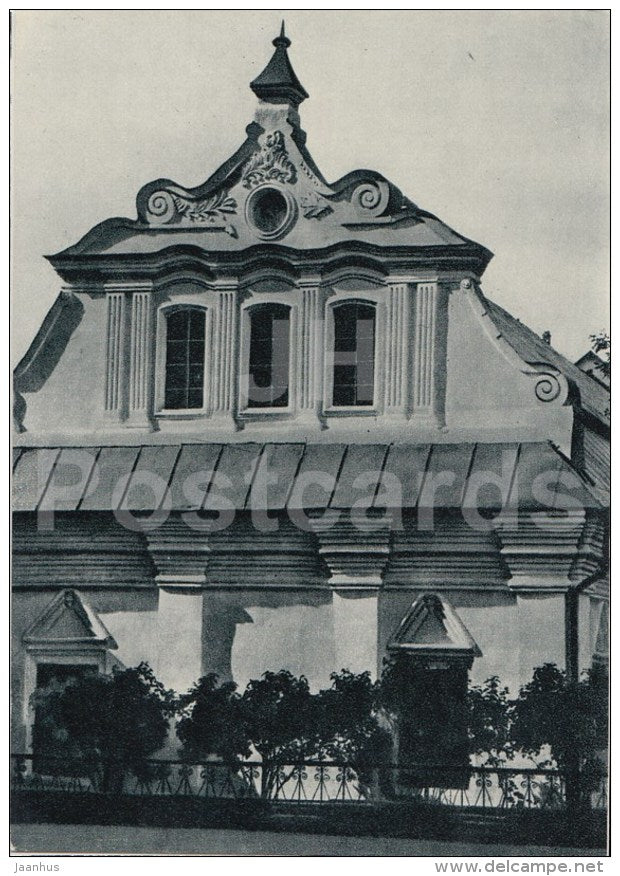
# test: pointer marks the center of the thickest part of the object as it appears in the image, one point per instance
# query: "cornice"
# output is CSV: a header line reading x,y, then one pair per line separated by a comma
x,y
385,260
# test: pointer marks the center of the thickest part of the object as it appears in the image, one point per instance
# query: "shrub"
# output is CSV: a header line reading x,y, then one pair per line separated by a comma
x,y
349,720
568,716
213,720
118,720
489,722
283,722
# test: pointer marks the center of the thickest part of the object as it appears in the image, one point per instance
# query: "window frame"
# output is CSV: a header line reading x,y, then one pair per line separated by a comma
x,y
161,361
245,410
329,408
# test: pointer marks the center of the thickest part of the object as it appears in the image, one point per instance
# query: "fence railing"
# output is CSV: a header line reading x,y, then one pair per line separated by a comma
x,y
310,782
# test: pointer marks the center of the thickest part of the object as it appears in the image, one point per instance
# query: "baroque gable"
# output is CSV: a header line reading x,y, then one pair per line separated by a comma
x,y
274,161
272,190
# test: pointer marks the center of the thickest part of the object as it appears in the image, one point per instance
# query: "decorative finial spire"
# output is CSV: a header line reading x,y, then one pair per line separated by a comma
x,y
278,82
281,40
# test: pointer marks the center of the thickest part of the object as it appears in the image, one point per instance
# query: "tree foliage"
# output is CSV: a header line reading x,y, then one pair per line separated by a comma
x,y
283,722
212,720
489,721
281,719
570,717
122,718
279,716
350,725
118,719
601,345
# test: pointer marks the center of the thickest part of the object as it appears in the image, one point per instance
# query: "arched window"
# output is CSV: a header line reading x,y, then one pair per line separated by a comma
x,y
354,354
185,359
268,366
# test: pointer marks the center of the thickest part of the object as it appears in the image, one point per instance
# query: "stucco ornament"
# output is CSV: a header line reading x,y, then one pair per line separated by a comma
x,y
371,198
548,388
207,210
166,206
270,164
551,385
271,211
313,206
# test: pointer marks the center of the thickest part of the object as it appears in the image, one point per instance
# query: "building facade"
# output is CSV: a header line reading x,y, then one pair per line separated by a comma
x,y
274,422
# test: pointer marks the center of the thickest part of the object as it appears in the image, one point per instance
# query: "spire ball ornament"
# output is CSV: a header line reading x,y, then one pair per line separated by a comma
x,y
282,39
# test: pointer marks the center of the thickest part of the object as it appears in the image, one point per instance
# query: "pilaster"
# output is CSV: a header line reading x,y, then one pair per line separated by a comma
x,y
114,399
429,354
180,639
225,346
356,561
548,556
310,346
397,349
140,358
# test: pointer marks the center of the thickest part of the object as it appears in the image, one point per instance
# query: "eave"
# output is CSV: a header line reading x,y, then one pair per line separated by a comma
x,y
75,268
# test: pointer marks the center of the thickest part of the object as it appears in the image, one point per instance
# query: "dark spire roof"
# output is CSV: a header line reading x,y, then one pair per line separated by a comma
x,y
278,82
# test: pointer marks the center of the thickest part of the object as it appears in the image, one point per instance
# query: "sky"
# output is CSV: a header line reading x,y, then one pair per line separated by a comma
x,y
495,121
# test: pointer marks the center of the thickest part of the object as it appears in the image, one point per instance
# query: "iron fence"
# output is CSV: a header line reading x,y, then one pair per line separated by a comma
x,y
310,782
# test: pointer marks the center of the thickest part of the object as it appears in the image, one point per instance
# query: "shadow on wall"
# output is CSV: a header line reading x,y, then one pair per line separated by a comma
x,y
45,351
294,631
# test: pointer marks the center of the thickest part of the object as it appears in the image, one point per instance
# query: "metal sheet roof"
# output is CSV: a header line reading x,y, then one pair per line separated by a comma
x,y
593,397
275,476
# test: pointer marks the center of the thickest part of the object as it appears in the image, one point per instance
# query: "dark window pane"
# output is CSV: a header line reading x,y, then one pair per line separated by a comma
x,y
175,398
269,356
347,343
344,395
197,325
177,325
344,374
262,377
196,376
268,209
280,398
354,354
175,376
185,356
262,357
196,351
176,352
194,398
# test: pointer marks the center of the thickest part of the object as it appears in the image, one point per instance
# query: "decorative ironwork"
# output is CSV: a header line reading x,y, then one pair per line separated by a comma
x,y
309,782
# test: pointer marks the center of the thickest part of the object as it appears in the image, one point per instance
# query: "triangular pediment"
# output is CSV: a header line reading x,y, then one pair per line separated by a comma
x,y
432,627
69,620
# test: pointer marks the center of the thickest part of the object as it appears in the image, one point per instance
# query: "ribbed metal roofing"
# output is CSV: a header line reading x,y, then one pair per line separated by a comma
x,y
274,477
